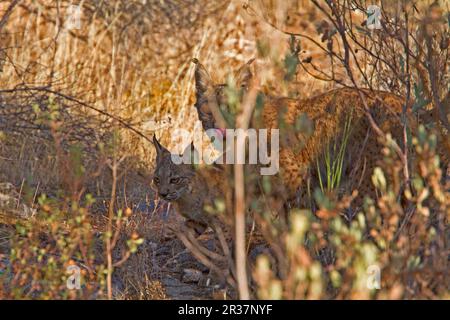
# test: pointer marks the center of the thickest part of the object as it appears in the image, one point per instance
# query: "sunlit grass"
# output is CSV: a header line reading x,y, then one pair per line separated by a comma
x,y
334,156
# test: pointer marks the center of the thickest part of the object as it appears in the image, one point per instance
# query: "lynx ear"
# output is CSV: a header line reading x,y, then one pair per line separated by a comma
x,y
203,82
244,75
160,150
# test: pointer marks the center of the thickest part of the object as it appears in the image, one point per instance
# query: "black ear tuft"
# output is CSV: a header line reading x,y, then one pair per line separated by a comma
x,y
159,148
249,62
203,82
156,143
244,75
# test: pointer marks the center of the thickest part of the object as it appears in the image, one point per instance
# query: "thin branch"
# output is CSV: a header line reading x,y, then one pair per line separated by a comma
x,y
8,13
242,122
82,103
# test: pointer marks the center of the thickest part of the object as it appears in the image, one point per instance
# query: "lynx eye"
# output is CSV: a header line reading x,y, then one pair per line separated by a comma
x,y
156,180
175,180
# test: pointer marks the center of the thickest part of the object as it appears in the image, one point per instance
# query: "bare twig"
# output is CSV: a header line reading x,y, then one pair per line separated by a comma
x,y
109,228
242,122
82,103
8,13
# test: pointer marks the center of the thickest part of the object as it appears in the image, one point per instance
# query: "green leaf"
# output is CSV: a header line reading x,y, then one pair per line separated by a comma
x,y
402,64
267,184
290,63
419,95
322,200
362,30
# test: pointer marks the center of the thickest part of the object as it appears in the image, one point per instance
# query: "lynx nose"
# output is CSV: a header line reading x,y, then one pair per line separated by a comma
x,y
163,194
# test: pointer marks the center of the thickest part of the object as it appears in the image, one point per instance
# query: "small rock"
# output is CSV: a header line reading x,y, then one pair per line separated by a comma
x,y
191,275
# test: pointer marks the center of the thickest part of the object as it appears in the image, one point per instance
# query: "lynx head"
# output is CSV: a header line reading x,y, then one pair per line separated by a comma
x,y
171,180
207,92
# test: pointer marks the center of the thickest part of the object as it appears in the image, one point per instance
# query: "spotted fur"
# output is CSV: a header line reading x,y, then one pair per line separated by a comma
x,y
328,112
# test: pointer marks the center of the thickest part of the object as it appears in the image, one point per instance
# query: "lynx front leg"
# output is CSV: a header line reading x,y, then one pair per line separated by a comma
x,y
226,260
212,260
292,172
198,227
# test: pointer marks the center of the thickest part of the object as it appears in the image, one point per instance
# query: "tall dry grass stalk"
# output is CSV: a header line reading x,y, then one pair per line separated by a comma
x,y
133,65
